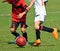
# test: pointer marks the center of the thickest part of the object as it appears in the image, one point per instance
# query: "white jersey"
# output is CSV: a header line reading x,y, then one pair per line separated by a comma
x,y
39,8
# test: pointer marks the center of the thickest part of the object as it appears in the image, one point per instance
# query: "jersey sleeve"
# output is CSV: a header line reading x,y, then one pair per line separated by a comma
x,y
9,1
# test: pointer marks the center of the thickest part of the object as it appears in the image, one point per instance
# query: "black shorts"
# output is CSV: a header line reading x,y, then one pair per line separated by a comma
x,y
16,24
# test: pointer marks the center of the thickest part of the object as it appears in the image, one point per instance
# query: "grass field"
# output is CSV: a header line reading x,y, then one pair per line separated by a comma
x,y
48,43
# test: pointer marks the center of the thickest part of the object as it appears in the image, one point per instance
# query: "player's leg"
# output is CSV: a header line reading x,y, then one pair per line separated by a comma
x,y
51,30
38,21
36,26
13,28
23,30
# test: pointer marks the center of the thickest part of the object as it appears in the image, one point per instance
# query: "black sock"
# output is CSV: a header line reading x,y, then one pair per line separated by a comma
x,y
25,35
37,34
46,29
15,33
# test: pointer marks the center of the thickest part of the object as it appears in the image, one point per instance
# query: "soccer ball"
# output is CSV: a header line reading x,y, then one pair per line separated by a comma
x,y
21,41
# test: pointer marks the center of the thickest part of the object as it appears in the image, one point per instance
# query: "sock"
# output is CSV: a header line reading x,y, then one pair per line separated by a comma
x,y
15,33
37,34
25,35
46,29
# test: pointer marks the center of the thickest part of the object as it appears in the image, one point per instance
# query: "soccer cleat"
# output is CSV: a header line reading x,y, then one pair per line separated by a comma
x,y
37,42
27,43
55,33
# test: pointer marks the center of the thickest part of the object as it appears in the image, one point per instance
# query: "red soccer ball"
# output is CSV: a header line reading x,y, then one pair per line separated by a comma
x,y
21,41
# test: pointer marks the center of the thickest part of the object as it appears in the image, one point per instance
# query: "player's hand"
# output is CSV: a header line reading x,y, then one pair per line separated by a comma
x,y
20,15
28,8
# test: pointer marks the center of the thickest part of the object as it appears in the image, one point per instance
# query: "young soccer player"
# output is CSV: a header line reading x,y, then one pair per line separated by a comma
x,y
18,6
39,19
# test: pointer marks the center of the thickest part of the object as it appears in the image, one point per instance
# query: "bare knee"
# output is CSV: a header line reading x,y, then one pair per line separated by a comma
x,y
22,30
36,27
37,24
12,30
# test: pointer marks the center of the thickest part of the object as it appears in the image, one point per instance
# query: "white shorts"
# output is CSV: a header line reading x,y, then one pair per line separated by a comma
x,y
40,18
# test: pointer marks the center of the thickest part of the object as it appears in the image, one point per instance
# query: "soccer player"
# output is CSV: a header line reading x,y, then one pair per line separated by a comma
x,y
39,19
18,6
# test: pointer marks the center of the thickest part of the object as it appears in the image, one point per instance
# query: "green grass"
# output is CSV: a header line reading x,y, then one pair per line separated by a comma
x,y
48,43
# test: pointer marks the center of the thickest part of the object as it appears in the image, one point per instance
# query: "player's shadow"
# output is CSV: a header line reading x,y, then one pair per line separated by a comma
x,y
11,42
15,43
48,45
20,47
31,43
58,30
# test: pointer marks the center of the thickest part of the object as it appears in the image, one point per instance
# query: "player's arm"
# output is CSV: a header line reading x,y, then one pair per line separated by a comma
x,y
4,1
27,9
24,5
31,4
23,13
